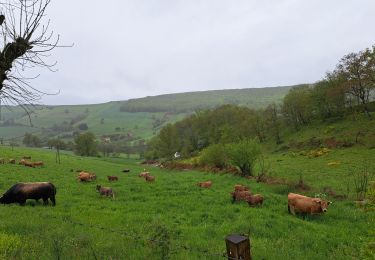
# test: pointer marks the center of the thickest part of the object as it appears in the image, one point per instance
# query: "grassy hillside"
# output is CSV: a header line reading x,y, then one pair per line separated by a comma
x,y
173,218
191,101
139,118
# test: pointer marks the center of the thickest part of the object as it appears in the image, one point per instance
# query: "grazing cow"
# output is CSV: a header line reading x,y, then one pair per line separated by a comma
x,y
205,184
240,195
2,161
112,178
105,191
86,176
255,200
27,157
28,164
39,163
149,178
143,174
301,204
22,162
20,192
239,187
12,161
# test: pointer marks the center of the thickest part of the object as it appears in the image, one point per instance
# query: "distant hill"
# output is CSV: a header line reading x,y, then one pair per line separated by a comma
x,y
192,101
135,119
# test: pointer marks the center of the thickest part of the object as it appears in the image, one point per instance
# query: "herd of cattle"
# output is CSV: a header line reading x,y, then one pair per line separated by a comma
x,y
20,192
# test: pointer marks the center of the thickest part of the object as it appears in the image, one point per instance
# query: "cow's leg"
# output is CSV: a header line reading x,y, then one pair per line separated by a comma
x,y
45,200
53,200
292,210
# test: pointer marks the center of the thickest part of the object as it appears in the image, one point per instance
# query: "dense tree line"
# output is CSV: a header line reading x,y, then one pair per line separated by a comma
x,y
347,89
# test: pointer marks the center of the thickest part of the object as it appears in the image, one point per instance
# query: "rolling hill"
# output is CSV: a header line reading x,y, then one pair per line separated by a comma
x,y
138,119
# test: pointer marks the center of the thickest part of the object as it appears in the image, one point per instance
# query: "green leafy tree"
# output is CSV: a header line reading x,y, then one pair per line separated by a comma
x,y
31,140
85,144
244,155
214,155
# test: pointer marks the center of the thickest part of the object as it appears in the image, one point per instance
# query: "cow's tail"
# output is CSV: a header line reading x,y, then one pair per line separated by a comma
x,y
288,208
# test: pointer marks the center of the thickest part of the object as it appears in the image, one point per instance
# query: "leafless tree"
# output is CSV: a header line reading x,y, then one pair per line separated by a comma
x,y
27,41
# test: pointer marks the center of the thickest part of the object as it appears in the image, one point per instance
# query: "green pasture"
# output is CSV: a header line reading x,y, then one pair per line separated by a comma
x,y
173,218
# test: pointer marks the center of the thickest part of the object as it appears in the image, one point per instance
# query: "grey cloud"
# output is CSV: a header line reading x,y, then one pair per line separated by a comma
x,y
128,49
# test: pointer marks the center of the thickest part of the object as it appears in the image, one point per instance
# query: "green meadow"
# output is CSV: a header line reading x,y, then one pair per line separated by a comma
x,y
174,219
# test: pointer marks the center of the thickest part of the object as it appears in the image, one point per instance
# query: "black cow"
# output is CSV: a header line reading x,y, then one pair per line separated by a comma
x,y
20,192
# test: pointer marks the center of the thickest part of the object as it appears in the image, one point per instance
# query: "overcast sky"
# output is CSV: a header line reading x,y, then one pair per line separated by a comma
x,y
126,49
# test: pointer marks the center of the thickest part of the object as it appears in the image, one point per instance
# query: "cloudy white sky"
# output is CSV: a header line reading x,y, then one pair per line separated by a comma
x,y
127,49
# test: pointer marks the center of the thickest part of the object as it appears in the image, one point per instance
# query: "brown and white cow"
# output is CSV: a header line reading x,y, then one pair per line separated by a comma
x,y
302,204
12,161
205,184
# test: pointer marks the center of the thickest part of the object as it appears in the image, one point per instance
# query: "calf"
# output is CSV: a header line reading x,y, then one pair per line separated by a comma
x,y
105,191
150,178
240,195
255,200
112,178
301,204
205,184
12,161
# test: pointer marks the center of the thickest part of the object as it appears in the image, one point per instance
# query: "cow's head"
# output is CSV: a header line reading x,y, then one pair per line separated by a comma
x,y
98,187
323,204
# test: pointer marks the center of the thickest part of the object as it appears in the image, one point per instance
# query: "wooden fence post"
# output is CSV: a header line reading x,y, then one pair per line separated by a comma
x,y
238,247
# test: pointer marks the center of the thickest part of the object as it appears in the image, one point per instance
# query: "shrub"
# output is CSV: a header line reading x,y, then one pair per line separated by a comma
x,y
214,155
244,155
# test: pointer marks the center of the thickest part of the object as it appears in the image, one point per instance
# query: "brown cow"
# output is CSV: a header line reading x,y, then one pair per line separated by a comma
x,y
205,184
255,200
28,164
301,204
149,178
39,163
2,161
240,195
12,161
86,176
112,178
22,162
239,187
105,191
143,174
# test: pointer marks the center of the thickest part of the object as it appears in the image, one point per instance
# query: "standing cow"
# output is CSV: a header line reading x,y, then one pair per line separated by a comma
x,y
301,204
20,192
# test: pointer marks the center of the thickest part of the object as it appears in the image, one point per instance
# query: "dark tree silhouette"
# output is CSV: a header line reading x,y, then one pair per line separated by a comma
x,y
26,43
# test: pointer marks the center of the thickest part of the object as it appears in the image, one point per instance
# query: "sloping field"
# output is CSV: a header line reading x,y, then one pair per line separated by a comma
x,y
173,218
